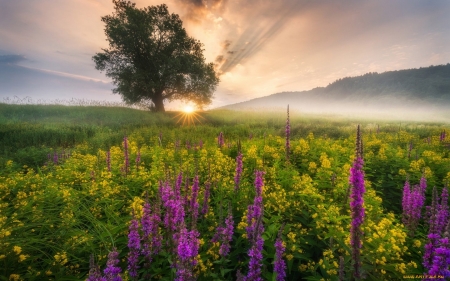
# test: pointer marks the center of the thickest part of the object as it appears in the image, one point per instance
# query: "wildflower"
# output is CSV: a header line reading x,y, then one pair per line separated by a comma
x,y
356,204
412,203
435,214
280,264
441,258
112,271
206,198
187,250
255,229
220,140
194,204
17,250
94,270
224,235
134,244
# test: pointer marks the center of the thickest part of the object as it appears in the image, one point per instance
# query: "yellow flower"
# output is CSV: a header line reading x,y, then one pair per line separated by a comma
x,y
17,250
23,257
14,277
289,257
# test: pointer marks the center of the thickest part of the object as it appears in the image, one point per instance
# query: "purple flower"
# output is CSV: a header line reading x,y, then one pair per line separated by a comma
x,y
55,158
438,220
255,210
412,202
174,206
279,264
200,144
194,204
441,259
356,204
112,271
237,177
206,198
187,250
224,235
134,244
220,140
255,229
94,270
255,254
288,135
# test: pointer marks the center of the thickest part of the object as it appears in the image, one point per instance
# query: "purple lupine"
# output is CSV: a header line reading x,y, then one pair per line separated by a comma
x,y
279,265
112,270
147,228
55,158
433,233
256,256
125,151
134,245
207,193
255,210
108,160
94,270
200,144
255,229
378,129
194,204
356,204
406,203
441,259
224,235
220,140
187,250
288,135
174,207
237,176
412,203
442,212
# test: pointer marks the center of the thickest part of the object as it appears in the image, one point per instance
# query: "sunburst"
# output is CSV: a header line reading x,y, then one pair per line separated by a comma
x,y
188,116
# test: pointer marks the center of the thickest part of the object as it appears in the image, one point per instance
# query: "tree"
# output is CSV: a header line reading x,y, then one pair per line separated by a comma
x,y
152,59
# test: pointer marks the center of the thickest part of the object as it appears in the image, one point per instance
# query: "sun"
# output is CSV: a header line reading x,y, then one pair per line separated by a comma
x,y
188,116
188,109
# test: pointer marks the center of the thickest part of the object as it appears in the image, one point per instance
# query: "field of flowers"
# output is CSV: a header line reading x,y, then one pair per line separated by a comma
x,y
238,197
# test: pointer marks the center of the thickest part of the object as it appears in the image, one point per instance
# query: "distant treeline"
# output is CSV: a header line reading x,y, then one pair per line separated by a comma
x,y
425,89
425,82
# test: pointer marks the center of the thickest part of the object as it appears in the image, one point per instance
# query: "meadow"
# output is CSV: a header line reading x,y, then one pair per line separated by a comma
x,y
89,192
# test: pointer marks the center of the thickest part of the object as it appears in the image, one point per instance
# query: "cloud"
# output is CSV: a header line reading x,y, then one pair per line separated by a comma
x,y
11,59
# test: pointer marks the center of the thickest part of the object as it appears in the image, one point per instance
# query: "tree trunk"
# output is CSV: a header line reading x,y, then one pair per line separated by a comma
x,y
159,104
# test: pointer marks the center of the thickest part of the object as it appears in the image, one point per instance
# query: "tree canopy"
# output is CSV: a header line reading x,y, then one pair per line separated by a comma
x,y
152,59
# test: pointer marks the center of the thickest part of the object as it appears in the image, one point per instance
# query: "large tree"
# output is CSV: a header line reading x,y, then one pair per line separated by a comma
x,y
152,59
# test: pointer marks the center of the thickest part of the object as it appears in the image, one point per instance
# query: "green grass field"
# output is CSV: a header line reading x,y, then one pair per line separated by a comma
x,y
62,198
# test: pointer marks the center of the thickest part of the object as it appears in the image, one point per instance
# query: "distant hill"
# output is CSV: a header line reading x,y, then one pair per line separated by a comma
x,y
420,90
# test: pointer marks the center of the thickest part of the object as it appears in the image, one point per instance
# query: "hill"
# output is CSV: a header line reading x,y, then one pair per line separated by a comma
x,y
411,91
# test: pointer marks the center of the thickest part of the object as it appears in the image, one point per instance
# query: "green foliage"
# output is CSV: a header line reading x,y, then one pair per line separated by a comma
x,y
151,58
58,214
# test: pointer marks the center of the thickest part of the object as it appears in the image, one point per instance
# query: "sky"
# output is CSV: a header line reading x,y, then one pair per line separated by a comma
x,y
260,47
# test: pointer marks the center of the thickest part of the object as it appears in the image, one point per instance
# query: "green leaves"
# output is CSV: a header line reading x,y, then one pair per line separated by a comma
x,y
151,57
